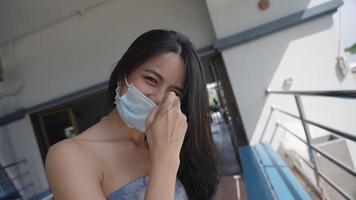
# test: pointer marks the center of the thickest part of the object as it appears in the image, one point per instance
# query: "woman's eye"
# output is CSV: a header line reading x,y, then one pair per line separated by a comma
x,y
177,93
151,80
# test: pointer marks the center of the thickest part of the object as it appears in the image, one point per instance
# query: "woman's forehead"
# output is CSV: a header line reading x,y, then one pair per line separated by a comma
x,y
169,66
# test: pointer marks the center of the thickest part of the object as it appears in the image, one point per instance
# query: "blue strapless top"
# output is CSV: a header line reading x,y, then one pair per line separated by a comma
x,y
135,190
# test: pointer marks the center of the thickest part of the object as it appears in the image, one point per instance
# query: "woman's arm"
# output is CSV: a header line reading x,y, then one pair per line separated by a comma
x,y
167,126
71,174
162,179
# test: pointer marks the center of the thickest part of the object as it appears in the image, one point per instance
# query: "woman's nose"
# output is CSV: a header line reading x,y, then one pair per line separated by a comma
x,y
158,96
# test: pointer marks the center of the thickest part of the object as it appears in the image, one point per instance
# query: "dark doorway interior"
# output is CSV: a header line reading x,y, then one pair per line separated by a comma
x,y
227,129
68,119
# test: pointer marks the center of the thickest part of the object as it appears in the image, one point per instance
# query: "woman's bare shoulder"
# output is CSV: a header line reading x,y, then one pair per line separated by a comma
x,y
72,156
71,172
66,149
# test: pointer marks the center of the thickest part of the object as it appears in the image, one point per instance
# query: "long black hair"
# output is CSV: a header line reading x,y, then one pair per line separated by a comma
x,y
198,169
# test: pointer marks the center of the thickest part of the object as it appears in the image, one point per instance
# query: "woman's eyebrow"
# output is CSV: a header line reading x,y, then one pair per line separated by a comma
x,y
154,72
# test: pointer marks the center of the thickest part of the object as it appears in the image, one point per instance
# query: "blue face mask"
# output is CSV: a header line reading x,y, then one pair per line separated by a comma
x,y
133,107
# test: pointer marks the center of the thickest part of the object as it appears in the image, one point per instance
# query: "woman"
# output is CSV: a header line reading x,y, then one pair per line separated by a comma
x,y
156,143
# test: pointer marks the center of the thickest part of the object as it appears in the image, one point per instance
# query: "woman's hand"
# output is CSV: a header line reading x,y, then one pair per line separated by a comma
x,y
166,128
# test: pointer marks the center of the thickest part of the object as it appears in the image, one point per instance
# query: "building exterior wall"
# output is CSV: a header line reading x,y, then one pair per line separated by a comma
x,y
305,52
76,53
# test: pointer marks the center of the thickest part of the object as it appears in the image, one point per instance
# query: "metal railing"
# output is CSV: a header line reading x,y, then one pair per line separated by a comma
x,y
312,149
9,181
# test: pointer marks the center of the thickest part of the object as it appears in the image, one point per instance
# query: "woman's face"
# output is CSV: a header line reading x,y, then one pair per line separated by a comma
x,y
159,75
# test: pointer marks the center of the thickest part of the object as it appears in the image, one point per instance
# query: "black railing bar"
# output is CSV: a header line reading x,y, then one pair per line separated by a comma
x,y
326,155
24,160
26,186
274,133
331,183
334,160
14,178
334,131
308,138
295,135
267,122
351,94
315,188
305,161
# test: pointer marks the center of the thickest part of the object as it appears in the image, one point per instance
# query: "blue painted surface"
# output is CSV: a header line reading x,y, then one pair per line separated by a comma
x,y
302,193
265,160
291,183
274,154
263,168
256,184
279,186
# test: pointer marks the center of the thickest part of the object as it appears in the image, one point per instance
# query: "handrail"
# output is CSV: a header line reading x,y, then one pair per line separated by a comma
x,y
331,93
346,94
322,175
24,160
31,184
332,184
14,178
336,132
330,158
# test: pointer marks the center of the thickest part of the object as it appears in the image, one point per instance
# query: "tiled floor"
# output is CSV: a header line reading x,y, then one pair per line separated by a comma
x,y
229,188
227,159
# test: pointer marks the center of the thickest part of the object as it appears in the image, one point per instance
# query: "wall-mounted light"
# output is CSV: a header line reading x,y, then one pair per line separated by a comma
x,y
263,4
342,65
287,83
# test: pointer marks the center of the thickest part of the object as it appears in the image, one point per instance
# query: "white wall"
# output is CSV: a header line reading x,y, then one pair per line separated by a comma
x,y
305,52
25,146
233,16
20,17
80,52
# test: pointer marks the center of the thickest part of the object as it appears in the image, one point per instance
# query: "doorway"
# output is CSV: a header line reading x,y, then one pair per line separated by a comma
x,y
227,129
69,119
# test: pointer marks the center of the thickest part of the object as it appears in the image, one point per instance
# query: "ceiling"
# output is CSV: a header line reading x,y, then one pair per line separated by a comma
x,y
18,17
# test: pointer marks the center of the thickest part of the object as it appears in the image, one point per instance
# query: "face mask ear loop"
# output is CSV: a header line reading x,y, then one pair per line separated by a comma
x,y
119,84
126,80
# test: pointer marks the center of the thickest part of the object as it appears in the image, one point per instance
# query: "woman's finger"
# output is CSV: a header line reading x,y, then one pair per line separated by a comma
x,y
151,117
168,101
